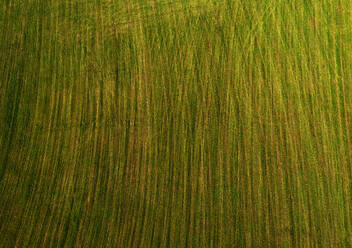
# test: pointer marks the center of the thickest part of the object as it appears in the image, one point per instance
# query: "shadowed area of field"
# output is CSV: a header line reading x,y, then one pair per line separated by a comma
x,y
175,123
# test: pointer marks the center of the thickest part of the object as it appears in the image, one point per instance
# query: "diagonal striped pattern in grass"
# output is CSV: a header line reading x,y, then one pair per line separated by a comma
x,y
175,123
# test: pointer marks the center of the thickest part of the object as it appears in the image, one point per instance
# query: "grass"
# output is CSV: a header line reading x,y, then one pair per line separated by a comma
x,y
175,123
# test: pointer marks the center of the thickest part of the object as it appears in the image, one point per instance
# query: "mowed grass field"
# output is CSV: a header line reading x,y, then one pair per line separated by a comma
x,y
175,123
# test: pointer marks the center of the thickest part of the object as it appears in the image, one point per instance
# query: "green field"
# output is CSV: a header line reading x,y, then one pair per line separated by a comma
x,y
174,123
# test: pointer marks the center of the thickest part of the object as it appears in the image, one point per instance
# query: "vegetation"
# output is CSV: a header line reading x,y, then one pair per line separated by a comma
x,y
161,123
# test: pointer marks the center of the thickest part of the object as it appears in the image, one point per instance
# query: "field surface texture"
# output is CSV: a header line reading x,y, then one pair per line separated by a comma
x,y
157,123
